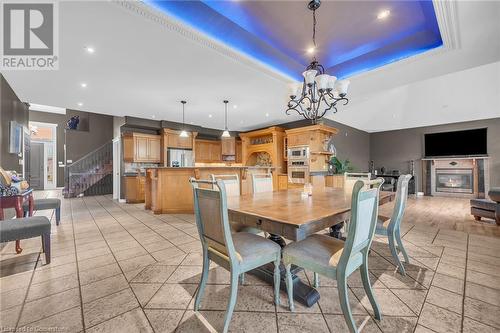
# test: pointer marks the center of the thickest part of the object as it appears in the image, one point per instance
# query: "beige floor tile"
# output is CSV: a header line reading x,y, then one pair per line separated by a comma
x,y
132,321
156,273
330,301
130,253
472,326
68,321
451,270
48,306
483,293
172,296
486,280
299,322
388,302
365,324
52,286
398,324
136,263
94,275
441,320
164,321
96,262
422,276
392,279
449,283
422,329
145,291
482,312
9,317
483,268
15,281
168,255
53,273
250,322
445,299
103,287
102,309
12,298
413,298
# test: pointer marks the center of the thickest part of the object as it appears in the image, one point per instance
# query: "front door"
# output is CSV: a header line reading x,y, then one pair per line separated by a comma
x,y
36,166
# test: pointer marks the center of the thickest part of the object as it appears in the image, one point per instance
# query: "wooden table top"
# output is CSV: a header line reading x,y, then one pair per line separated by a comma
x,y
282,211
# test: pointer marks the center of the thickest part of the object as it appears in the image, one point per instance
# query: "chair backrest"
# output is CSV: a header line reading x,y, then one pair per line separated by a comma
x,y
231,183
400,204
262,183
350,178
364,211
210,207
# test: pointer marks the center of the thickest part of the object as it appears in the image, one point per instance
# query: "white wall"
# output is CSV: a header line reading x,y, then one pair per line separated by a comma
x,y
472,94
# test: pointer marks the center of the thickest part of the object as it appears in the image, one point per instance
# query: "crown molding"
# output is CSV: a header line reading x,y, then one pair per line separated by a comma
x,y
152,14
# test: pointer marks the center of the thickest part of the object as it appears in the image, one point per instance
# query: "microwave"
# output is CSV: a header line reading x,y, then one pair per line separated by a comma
x,y
298,153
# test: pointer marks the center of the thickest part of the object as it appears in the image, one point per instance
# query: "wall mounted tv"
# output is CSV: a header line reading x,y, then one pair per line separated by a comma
x,y
458,143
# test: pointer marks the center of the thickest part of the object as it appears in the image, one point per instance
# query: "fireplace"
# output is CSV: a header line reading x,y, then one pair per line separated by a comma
x,y
454,180
465,177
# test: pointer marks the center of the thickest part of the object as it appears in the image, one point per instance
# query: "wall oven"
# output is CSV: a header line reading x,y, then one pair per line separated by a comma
x,y
298,153
298,174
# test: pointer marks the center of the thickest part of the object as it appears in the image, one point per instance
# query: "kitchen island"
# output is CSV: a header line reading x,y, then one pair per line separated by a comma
x,y
168,191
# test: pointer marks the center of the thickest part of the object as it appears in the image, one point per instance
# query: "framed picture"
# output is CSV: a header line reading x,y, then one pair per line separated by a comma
x,y
16,138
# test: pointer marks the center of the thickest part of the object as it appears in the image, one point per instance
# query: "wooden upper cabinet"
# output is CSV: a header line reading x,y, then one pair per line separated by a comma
x,y
228,146
173,139
208,151
139,147
238,151
298,139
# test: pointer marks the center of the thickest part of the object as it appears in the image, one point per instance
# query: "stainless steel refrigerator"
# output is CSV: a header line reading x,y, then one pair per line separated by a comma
x,y
180,157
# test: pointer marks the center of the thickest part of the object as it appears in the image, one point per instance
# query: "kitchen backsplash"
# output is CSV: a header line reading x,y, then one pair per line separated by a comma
x,y
132,167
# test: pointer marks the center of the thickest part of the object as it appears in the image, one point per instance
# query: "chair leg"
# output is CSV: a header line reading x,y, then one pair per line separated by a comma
x,y
242,278
315,280
203,281
400,246
277,281
46,247
344,304
289,287
365,277
232,300
394,252
58,215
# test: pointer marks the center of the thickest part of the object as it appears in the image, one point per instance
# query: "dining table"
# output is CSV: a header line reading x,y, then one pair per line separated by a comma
x,y
293,216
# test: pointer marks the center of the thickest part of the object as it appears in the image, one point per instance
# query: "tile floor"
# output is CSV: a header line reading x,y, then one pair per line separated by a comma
x,y
118,268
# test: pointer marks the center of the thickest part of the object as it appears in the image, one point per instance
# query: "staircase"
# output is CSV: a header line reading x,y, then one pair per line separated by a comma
x,y
90,175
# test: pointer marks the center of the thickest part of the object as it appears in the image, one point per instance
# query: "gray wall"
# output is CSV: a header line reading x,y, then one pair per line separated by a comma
x,y
94,130
394,149
11,109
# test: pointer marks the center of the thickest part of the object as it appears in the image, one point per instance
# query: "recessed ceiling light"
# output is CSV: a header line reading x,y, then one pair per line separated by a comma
x,y
209,116
153,116
80,104
382,15
235,106
192,122
267,114
83,85
311,50
90,49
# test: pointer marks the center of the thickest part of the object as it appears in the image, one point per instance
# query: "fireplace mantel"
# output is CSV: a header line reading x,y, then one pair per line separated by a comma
x,y
466,177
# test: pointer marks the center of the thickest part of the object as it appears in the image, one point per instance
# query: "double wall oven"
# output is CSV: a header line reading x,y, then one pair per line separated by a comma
x,y
298,164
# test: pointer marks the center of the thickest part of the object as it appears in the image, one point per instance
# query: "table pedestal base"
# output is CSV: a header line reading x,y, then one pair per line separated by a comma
x,y
302,293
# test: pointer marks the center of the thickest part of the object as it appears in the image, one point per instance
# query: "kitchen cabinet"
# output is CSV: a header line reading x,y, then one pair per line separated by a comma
x,y
172,139
238,151
208,151
228,146
134,189
140,147
335,181
282,182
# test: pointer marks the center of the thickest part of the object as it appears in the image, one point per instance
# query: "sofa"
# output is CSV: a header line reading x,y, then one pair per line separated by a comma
x,y
487,208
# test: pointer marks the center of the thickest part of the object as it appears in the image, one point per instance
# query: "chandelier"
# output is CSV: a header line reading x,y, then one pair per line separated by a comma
x,y
319,92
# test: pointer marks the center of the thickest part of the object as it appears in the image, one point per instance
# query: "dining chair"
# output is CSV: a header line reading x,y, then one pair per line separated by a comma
x,y
238,252
262,183
337,259
350,178
232,186
390,226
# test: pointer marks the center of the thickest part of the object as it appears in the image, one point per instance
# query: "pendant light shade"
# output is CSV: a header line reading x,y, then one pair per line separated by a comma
x,y
184,133
225,134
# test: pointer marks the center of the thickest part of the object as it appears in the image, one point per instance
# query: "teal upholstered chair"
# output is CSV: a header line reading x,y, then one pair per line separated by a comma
x,y
390,227
262,183
337,259
238,253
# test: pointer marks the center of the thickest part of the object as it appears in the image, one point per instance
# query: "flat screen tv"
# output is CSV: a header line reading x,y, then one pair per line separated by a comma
x,y
458,143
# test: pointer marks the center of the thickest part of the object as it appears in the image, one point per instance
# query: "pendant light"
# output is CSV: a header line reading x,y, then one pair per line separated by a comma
x,y
183,134
225,134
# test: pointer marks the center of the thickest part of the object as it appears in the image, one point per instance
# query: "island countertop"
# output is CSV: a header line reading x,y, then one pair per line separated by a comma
x,y
168,191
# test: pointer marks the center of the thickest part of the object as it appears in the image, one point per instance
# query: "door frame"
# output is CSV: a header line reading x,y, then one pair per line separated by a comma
x,y
116,167
45,156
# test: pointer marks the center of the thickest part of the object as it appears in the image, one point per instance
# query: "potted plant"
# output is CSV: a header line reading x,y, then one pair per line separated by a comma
x,y
339,167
